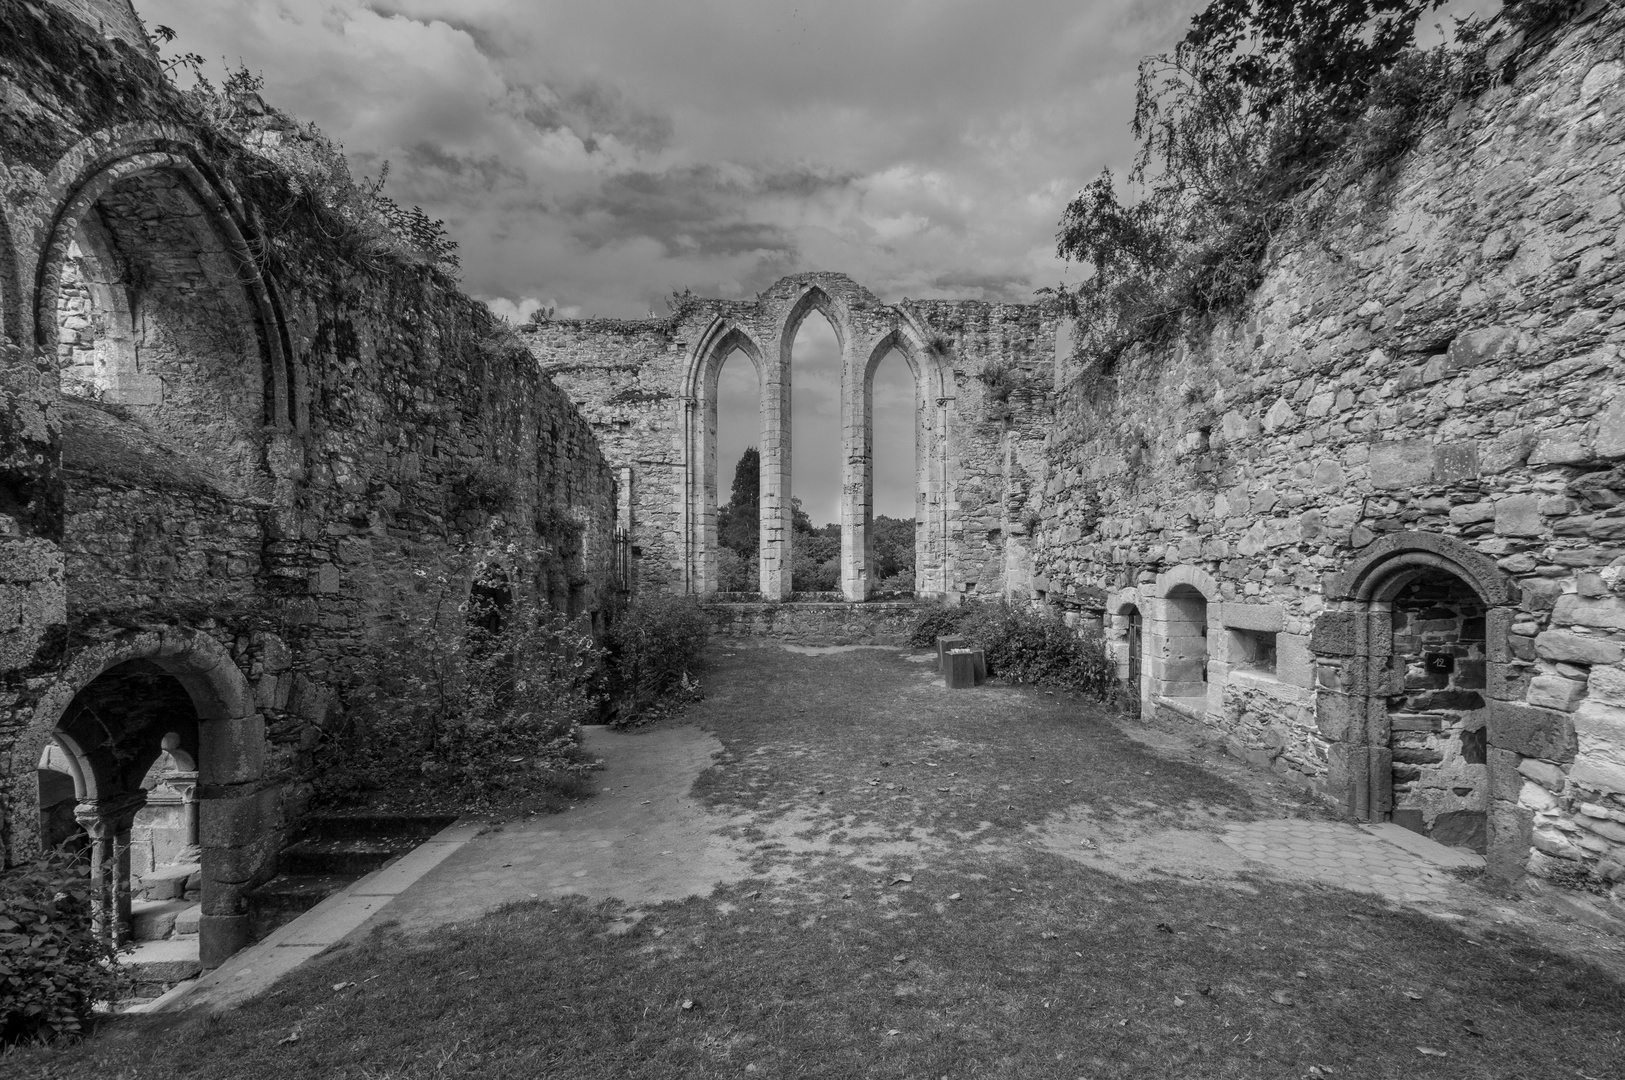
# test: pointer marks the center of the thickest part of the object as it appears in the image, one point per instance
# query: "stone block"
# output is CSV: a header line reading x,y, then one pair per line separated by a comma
x,y
1334,633
1338,715
1505,779
1294,663
1518,515
1600,734
1400,465
1544,773
1472,513
1555,692
1601,612
945,643
229,822
219,937
1577,648
1497,630
1267,617
1607,685
1532,731
1507,682
962,666
1454,462
231,751
1510,829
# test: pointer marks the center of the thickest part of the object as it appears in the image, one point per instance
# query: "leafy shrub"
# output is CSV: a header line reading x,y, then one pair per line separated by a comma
x,y
1257,105
937,620
471,702
53,966
1025,643
654,649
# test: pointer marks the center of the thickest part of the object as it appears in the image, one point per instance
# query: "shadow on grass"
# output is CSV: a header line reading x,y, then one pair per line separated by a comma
x,y
1040,969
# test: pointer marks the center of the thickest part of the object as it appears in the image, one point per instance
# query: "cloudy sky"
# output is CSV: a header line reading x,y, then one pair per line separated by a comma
x,y
595,155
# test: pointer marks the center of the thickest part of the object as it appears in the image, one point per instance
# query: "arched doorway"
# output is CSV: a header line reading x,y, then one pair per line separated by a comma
x,y
116,729
1438,782
1414,696
155,710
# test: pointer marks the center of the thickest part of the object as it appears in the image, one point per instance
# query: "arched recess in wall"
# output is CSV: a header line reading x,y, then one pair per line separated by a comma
x,y
1125,636
1179,643
722,339
114,710
1415,697
148,289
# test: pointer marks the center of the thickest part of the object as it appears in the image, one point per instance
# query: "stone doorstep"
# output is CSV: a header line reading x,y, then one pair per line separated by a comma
x,y
154,920
168,882
1424,848
174,960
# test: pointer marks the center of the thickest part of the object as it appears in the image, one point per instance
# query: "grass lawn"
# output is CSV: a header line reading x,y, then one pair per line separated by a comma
x,y
903,924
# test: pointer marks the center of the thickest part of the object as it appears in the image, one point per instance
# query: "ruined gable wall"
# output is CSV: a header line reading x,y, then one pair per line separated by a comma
x,y
425,438
1003,371
1446,360
627,377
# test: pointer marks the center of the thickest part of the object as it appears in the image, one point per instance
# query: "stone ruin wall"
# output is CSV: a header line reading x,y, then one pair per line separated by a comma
x,y
1440,371
628,378
302,446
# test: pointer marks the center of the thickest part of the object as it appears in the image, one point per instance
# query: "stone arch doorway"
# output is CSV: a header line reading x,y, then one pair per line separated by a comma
x,y
115,711
1413,695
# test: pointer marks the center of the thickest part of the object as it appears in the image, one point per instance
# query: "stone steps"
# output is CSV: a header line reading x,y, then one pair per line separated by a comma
x,y
155,966
155,920
333,851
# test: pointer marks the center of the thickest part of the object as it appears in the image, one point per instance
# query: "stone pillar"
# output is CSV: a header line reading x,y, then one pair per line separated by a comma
x,y
108,823
857,478
775,450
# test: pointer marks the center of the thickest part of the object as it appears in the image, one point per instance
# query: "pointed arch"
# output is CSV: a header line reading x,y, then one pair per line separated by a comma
x,y
721,338
91,170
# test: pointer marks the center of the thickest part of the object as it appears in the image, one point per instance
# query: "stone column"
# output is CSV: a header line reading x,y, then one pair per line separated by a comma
x,y
108,823
857,477
775,476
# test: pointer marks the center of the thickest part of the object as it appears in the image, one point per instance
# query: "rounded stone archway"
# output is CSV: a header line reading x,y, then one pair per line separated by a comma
x,y
237,812
1397,656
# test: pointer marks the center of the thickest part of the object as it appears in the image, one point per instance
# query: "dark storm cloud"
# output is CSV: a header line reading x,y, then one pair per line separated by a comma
x,y
597,155
696,209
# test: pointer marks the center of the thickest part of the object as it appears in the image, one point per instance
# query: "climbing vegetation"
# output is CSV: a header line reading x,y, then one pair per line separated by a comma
x,y
1265,112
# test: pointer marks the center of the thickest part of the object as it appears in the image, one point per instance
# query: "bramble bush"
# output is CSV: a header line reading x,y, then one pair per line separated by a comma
x,y
53,967
1025,643
654,649
476,701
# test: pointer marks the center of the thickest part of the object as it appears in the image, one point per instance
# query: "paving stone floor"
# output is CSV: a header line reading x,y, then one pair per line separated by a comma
x,y
1341,855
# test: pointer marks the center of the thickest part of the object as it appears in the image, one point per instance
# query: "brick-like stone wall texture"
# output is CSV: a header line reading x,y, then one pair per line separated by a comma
x,y
1442,359
236,440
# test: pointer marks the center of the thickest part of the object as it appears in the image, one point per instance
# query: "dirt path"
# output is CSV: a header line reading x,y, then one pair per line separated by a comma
x,y
679,814
642,839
